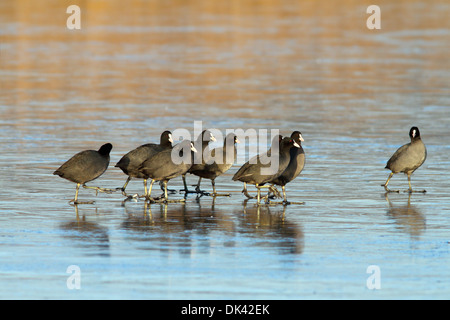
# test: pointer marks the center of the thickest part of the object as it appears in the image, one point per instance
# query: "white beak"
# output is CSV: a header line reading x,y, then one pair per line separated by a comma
x,y
170,138
301,138
212,138
193,148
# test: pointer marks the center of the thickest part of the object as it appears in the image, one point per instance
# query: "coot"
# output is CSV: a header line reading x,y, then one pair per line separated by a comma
x,y
295,166
276,140
251,173
226,156
86,166
407,158
130,162
167,165
199,159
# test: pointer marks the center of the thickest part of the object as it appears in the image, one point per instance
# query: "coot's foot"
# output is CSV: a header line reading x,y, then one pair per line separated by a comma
x,y
415,191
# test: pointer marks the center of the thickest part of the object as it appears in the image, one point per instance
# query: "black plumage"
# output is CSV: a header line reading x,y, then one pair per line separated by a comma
x,y
131,161
408,158
252,171
85,166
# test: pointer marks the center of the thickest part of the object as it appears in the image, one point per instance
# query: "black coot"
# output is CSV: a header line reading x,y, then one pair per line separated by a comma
x,y
407,158
225,159
199,159
251,173
86,166
276,140
167,165
130,162
295,166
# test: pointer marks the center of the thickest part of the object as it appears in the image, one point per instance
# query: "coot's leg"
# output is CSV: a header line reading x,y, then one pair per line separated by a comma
x,y
186,190
172,191
148,195
244,191
386,184
97,189
215,194
124,187
75,200
410,190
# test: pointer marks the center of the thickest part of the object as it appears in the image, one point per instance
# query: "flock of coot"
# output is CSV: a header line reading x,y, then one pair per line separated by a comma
x,y
164,161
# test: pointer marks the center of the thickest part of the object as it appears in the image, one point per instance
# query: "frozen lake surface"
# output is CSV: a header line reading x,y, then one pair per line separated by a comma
x,y
131,73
